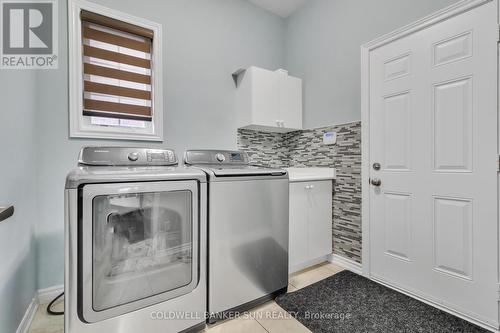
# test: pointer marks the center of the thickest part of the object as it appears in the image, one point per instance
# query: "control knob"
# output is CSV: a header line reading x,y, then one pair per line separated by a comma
x,y
220,157
133,157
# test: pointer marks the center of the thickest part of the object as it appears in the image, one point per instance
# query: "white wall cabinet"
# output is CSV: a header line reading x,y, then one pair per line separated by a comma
x,y
269,101
310,223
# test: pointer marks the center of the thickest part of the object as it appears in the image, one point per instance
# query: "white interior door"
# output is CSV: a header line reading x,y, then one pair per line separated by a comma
x,y
433,130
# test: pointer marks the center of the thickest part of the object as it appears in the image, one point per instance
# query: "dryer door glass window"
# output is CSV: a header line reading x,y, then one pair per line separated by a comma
x,y
142,246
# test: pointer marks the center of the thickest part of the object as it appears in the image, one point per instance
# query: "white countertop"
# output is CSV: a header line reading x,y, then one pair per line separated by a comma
x,y
310,174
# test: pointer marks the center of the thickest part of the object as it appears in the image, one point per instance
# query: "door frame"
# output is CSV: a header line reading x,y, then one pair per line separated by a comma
x,y
428,21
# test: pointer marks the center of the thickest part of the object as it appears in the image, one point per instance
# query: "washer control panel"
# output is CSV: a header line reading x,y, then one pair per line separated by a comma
x,y
222,157
125,156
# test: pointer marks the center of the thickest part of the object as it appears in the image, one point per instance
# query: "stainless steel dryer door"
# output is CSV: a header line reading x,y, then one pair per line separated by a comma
x,y
139,246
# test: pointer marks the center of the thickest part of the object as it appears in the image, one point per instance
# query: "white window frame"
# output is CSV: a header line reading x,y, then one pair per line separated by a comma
x,y
78,127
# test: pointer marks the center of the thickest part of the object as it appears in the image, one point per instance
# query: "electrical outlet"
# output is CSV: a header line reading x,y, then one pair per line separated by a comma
x,y
329,138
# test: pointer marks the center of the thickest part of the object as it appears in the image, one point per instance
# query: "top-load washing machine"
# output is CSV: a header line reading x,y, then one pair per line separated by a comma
x,y
135,243
247,231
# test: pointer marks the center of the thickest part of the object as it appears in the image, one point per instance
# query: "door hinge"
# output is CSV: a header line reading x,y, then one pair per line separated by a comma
x,y
498,163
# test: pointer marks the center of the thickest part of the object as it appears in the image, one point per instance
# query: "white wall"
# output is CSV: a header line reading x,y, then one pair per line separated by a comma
x,y
204,42
18,161
323,42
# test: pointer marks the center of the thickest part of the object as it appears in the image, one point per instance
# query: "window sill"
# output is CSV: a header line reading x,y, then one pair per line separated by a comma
x,y
116,136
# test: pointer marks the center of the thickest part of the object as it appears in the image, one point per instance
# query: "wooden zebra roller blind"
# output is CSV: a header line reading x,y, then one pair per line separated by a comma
x,y
117,68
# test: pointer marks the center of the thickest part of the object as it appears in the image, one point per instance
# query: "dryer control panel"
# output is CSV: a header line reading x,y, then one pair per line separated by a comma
x,y
126,156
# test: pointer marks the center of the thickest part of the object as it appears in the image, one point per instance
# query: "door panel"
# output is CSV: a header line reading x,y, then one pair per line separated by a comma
x,y
298,246
453,125
453,49
320,217
392,136
398,225
433,129
397,129
290,95
453,236
397,67
265,96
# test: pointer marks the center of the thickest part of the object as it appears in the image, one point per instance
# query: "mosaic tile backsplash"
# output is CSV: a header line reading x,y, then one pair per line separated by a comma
x,y
305,149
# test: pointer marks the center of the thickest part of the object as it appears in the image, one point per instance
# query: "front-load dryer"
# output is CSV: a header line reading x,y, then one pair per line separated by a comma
x,y
135,241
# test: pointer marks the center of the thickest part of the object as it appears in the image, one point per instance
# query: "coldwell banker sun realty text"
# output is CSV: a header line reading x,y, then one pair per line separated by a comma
x,y
29,34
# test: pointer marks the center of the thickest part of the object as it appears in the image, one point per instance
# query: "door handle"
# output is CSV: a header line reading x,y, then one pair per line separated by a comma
x,y
6,212
376,182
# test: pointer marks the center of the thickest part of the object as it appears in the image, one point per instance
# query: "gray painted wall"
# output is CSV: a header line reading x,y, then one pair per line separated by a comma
x,y
204,42
18,123
323,42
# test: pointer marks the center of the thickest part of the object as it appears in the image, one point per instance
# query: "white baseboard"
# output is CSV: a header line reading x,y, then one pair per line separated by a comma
x,y
25,324
42,296
48,294
348,264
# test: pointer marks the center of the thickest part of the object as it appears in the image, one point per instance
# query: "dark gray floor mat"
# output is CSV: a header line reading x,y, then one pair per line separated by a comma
x,y
349,302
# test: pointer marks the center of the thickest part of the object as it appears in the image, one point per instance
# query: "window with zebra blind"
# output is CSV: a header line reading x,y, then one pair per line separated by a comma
x,y
115,75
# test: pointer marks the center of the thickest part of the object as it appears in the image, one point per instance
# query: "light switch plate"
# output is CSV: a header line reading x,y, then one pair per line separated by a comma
x,y
329,138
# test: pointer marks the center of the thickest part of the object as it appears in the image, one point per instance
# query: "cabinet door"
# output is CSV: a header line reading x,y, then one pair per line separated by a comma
x,y
290,101
319,197
298,247
265,97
